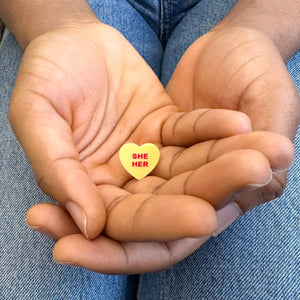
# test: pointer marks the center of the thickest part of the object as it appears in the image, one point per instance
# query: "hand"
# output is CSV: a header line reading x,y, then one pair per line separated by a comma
x,y
82,91
240,69
157,219
81,136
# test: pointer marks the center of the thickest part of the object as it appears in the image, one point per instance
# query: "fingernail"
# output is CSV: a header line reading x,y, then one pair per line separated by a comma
x,y
281,170
78,215
226,216
284,169
65,263
43,231
251,186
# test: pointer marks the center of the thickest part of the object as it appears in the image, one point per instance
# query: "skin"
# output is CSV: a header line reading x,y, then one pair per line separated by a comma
x,y
130,211
53,97
243,63
85,122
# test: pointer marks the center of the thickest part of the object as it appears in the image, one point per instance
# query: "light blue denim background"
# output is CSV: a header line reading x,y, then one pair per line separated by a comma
x,y
256,258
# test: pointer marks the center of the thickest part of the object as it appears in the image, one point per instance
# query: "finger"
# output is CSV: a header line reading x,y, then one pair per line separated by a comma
x,y
51,220
47,141
221,180
277,148
141,217
188,128
103,254
108,256
148,217
148,185
248,201
244,202
111,257
225,216
175,160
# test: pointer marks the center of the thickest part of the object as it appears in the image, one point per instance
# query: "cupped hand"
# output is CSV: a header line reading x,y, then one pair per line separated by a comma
x,y
150,224
240,69
82,92
71,117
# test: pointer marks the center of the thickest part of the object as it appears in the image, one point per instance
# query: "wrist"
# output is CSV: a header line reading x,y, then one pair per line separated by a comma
x,y
279,21
28,21
50,27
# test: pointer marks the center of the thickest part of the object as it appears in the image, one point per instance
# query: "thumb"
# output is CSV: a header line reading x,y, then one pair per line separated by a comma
x,y
272,102
47,141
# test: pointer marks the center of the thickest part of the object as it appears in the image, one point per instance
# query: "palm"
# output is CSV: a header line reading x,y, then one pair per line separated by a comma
x,y
81,111
82,102
90,107
97,95
240,69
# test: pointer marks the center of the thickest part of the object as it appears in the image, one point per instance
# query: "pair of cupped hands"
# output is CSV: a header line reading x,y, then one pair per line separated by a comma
x,y
83,91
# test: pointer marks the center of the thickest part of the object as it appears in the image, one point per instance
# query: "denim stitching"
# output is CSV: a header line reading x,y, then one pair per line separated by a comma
x,y
161,27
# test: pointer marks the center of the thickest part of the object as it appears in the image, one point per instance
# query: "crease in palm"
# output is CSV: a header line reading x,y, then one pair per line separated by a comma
x,y
97,93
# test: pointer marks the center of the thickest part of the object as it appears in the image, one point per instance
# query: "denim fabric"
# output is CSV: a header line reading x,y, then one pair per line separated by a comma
x,y
256,258
122,16
27,270
163,16
197,22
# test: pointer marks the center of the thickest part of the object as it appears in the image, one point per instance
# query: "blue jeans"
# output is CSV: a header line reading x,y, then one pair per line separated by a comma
x,y
255,258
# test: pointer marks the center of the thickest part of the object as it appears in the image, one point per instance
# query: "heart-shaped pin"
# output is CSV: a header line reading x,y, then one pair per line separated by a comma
x,y
139,161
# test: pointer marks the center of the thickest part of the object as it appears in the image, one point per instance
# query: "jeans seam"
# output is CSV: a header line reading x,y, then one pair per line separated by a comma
x,y
169,18
161,21
165,19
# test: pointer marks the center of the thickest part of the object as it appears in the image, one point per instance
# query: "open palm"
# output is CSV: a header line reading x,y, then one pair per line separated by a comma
x,y
80,95
240,69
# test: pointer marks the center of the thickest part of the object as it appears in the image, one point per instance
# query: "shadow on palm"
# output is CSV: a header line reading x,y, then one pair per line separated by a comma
x,y
86,92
